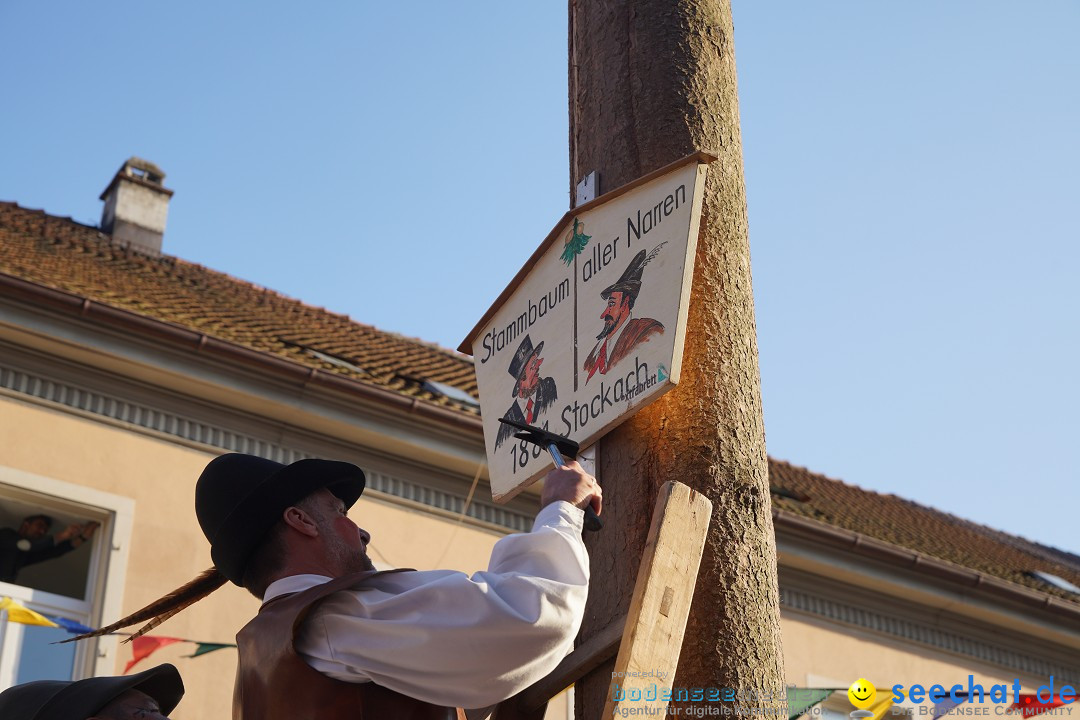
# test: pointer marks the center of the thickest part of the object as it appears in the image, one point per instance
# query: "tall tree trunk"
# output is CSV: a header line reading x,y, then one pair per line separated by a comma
x,y
650,82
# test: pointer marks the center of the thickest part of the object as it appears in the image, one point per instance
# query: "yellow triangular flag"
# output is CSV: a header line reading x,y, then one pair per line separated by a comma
x,y
881,705
26,616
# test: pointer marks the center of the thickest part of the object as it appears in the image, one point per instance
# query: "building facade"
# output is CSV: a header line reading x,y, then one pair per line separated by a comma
x,y
124,370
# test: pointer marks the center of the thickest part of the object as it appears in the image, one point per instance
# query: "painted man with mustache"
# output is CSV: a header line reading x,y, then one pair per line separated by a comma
x,y
621,333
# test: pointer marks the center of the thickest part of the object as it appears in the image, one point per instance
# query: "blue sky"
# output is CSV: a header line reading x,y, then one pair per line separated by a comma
x,y
912,177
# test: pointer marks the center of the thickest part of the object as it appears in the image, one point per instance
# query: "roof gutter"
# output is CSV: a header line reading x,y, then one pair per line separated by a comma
x,y
866,546
303,375
783,520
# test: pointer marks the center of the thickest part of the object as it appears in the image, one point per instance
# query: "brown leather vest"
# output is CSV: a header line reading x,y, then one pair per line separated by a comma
x,y
274,683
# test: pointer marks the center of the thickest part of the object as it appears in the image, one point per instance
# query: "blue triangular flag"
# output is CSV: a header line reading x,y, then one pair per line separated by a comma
x,y
70,625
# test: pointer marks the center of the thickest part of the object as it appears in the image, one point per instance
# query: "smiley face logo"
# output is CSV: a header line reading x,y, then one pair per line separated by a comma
x,y
862,693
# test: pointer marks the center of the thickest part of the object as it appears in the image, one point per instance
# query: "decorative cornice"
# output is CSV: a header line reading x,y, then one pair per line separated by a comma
x,y
923,634
849,541
72,304
192,430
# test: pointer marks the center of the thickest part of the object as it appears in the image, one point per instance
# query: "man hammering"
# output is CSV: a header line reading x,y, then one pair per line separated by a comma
x,y
335,638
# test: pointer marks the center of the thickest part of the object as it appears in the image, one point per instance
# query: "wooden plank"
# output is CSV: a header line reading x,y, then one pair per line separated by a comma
x,y
592,653
584,659
652,639
512,710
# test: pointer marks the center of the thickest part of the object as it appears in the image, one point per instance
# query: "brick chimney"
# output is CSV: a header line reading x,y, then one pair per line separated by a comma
x,y
136,205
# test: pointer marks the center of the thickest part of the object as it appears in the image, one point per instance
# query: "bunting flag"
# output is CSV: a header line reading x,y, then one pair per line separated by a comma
x,y
142,647
800,700
145,646
204,648
943,707
881,705
1029,704
75,628
18,614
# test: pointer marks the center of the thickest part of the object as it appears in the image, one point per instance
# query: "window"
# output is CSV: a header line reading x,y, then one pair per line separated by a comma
x,y
79,584
29,554
1058,582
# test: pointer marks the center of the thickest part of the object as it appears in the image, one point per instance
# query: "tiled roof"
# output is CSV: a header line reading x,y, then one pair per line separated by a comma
x,y
922,529
65,255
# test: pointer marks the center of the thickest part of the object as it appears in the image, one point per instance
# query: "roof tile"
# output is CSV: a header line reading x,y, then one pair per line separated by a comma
x,y
920,528
62,254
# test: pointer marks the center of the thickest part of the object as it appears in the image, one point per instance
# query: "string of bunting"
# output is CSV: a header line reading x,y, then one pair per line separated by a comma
x,y
802,700
141,647
1030,704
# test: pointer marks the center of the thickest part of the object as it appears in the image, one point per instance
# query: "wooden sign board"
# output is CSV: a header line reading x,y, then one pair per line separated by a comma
x,y
592,328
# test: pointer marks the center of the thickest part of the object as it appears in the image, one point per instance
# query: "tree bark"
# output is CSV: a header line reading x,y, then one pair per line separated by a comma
x,y
650,82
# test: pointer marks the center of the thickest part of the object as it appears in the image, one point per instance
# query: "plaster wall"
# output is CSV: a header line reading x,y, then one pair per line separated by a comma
x,y
819,654
167,547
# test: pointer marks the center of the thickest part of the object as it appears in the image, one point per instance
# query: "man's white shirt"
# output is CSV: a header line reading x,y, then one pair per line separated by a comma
x,y
450,639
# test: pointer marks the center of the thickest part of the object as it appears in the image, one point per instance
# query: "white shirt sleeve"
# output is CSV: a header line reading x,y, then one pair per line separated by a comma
x,y
445,638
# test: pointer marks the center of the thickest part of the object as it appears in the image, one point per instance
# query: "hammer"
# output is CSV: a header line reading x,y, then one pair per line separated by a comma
x,y
558,446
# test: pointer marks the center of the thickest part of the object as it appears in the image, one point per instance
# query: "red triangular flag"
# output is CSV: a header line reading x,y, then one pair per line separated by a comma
x,y
144,646
1030,705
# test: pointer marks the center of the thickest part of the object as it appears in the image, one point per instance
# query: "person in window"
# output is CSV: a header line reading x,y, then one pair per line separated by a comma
x,y
149,695
31,543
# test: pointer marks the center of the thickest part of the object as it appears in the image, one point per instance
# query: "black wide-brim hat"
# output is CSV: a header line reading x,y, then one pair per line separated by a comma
x,y
629,283
525,364
78,700
238,498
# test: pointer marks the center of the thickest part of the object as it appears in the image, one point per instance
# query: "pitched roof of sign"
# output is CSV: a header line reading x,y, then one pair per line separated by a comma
x,y
59,253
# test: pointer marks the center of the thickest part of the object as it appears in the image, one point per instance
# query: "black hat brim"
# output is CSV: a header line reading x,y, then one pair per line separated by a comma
x,y
517,383
55,700
245,527
627,287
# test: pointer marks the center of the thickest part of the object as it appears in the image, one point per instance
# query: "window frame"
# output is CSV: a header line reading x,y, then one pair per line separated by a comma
x,y
106,576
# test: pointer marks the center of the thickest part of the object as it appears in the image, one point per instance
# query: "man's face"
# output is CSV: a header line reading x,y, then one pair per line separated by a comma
x,y
132,705
615,312
531,377
33,529
342,539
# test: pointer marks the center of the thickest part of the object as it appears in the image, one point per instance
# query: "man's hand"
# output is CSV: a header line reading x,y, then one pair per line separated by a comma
x,y
67,533
77,534
574,485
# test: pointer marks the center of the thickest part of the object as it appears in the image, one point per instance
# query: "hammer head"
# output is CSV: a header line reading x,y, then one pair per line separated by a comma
x,y
539,436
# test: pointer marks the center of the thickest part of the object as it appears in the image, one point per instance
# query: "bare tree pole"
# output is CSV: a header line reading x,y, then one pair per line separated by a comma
x,y
650,82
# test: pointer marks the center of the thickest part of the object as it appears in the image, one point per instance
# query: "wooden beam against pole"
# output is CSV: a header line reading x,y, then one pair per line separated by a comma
x,y
653,631
653,636
531,703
